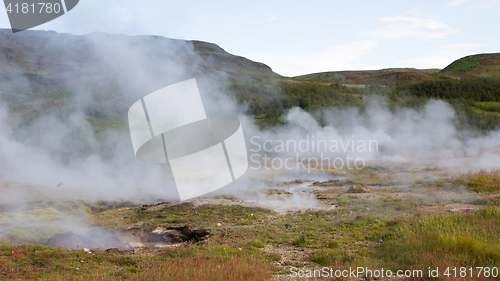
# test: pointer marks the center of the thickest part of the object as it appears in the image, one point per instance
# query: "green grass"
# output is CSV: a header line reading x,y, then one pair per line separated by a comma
x,y
335,238
462,65
481,180
434,240
258,243
347,235
488,106
326,257
28,262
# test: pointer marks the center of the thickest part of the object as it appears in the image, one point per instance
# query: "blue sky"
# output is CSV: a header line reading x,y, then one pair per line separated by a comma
x,y
300,37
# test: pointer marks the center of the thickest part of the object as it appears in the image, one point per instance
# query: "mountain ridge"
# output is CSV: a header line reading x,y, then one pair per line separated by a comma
x,y
47,59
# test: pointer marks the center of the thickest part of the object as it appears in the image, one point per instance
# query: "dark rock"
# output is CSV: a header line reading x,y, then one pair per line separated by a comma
x,y
67,240
128,238
113,250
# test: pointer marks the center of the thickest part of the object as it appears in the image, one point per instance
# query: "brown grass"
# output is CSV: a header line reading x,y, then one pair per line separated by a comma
x,y
29,262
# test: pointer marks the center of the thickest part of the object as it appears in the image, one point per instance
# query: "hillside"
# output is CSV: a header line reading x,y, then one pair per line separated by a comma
x,y
481,65
45,62
473,66
382,76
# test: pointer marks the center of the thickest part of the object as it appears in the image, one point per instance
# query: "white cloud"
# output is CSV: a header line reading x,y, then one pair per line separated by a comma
x,y
413,11
271,16
489,4
454,3
403,27
339,57
442,57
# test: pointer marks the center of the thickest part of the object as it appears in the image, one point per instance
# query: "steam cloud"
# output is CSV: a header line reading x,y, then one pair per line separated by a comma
x,y
58,155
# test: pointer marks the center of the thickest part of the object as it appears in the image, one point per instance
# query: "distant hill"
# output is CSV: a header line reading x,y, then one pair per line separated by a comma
x,y
44,63
482,65
382,76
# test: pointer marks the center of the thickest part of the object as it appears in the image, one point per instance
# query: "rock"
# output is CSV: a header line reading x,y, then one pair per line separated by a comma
x,y
358,188
219,224
187,231
113,250
68,240
128,238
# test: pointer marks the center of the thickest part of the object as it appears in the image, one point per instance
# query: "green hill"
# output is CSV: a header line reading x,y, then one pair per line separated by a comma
x,y
482,65
382,76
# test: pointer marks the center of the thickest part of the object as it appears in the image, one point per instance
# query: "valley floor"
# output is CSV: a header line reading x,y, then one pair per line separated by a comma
x,y
411,219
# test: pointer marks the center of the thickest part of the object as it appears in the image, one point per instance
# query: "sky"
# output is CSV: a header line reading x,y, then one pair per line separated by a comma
x,y
301,37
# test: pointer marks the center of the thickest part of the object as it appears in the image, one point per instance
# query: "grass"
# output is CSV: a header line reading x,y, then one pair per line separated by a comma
x,y
433,240
255,242
236,250
26,262
301,241
461,65
326,257
488,106
258,243
481,180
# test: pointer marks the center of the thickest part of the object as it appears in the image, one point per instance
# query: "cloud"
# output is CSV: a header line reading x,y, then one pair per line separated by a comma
x,y
271,16
454,3
338,57
489,4
413,12
441,57
403,27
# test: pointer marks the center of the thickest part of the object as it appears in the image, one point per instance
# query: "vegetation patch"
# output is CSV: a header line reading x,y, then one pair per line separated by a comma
x,y
481,180
437,240
461,65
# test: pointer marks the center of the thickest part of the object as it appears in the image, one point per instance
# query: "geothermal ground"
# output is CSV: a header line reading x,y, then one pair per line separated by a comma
x,y
392,217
